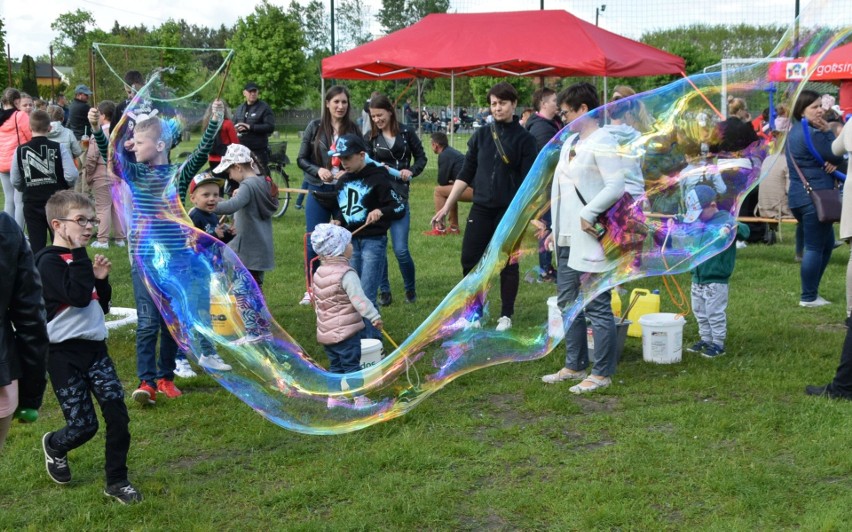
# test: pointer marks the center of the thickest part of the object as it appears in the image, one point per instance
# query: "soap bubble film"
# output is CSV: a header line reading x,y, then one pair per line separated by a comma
x,y
659,146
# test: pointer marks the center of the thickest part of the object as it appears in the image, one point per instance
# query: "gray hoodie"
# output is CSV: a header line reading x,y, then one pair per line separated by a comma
x,y
63,135
252,208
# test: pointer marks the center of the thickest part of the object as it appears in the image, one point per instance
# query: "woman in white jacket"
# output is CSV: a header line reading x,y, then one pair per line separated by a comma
x,y
588,180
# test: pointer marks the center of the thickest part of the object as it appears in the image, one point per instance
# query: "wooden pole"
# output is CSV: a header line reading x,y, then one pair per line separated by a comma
x,y
92,75
52,86
9,62
224,79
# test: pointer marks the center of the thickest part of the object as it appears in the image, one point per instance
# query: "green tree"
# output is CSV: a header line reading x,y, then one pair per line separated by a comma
x,y
397,14
353,25
72,28
480,86
29,84
269,45
2,40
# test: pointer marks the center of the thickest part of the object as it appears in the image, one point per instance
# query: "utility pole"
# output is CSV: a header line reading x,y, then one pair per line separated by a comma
x,y
333,50
598,11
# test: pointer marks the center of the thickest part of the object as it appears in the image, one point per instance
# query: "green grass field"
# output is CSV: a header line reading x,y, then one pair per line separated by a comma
x,y
725,444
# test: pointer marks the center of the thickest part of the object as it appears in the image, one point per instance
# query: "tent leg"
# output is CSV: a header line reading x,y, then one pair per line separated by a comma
x,y
450,125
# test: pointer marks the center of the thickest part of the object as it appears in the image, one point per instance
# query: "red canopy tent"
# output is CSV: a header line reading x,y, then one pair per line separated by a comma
x,y
520,43
835,66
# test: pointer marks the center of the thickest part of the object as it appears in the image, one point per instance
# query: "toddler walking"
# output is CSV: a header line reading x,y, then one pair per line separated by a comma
x,y
345,314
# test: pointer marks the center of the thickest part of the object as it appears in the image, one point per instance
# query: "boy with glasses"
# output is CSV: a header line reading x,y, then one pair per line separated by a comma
x,y
76,296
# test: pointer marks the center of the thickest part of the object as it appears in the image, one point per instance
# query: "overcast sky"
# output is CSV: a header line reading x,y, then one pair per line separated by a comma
x,y
27,22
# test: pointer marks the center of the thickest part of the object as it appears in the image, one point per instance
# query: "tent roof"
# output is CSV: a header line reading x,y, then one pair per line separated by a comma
x,y
519,43
835,66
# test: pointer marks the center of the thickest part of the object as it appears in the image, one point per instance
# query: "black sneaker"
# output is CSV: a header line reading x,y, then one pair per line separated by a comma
x,y
825,391
124,493
385,299
410,296
57,464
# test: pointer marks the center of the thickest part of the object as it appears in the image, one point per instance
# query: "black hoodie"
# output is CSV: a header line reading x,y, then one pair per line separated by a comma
x,y
494,182
359,193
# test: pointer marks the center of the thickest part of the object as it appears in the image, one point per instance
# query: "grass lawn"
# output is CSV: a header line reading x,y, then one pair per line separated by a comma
x,y
725,444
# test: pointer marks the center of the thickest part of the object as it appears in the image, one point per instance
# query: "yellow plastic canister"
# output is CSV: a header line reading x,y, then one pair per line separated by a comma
x,y
647,303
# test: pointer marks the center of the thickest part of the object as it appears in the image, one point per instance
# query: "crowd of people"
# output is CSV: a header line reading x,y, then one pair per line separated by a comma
x,y
55,296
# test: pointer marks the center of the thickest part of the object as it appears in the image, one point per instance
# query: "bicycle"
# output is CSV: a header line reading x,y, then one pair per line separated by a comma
x,y
277,161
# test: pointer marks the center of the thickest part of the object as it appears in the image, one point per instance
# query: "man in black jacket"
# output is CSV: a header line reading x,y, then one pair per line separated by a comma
x,y
450,162
78,121
23,350
254,123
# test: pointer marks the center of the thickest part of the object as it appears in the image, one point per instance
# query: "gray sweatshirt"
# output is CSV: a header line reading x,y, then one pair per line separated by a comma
x,y
252,208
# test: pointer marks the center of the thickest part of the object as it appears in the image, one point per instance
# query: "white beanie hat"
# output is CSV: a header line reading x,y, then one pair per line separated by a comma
x,y
330,240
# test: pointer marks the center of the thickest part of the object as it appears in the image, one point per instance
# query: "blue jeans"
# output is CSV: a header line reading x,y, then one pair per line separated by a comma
x,y
369,259
819,243
315,214
345,356
599,313
149,324
399,238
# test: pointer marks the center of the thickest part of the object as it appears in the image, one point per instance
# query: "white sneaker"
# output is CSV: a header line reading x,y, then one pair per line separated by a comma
x,y
306,299
504,324
818,302
100,245
464,324
564,374
213,362
741,244
251,339
119,243
183,369
334,401
362,401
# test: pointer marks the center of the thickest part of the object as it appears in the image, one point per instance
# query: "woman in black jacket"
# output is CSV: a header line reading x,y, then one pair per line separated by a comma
x,y
23,329
320,169
395,146
496,168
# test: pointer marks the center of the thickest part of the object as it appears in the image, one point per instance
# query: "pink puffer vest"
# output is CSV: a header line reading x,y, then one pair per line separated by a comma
x,y
337,318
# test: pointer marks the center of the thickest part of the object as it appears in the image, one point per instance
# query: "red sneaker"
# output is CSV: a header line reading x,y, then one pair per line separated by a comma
x,y
168,388
453,230
145,394
435,232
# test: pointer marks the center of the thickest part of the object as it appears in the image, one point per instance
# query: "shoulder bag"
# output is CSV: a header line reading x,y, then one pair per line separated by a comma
x,y
827,202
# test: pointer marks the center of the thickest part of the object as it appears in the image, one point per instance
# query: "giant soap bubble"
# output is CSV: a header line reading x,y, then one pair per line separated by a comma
x,y
668,140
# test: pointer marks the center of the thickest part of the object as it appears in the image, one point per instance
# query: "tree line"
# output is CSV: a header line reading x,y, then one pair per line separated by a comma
x,y
281,49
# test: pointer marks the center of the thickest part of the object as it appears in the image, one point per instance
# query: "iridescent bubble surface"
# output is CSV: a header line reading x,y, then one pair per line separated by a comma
x,y
667,143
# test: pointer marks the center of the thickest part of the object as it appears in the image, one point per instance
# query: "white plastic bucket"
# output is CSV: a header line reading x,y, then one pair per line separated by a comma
x,y
662,337
371,352
555,327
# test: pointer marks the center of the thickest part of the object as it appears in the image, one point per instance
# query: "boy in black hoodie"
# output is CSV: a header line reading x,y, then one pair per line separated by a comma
x,y
39,168
76,296
365,204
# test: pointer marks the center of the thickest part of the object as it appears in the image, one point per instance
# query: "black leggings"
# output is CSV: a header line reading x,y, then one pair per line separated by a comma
x,y
481,224
77,372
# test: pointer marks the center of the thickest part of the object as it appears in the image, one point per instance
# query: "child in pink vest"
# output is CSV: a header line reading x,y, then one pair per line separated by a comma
x,y
345,314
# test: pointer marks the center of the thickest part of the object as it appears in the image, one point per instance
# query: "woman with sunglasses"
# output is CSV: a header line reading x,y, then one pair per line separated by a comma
x,y
396,146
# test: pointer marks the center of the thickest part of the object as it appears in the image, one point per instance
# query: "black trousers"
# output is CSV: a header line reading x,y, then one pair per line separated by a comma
x,y
79,369
481,224
37,227
842,383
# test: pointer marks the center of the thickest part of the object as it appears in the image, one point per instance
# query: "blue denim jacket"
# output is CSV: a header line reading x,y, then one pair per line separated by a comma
x,y
808,164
